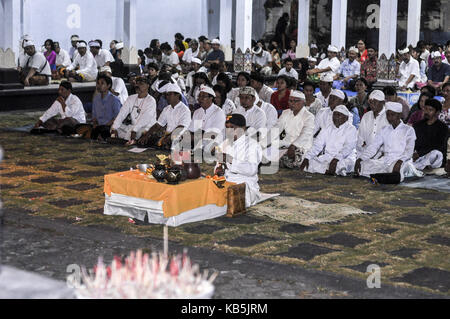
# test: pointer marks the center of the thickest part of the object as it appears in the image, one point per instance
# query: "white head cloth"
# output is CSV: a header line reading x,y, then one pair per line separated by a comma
x,y
81,45
342,109
436,54
94,44
332,48
105,69
207,89
28,43
196,60
326,77
338,93
405,50
377,95
298,95
394,107
354,50
312,59
119,45
172,88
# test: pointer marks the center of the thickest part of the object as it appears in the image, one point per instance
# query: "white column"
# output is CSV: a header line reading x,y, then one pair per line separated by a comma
x,y
303,29
244,24
129,22
339,23
119,20
226,10
414,13
388,27
11,25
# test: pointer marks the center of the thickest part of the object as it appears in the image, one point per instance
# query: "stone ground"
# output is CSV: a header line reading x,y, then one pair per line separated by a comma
x,y
52,193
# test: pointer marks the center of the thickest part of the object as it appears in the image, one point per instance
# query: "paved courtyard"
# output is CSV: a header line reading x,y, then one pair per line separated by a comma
x,y
52,193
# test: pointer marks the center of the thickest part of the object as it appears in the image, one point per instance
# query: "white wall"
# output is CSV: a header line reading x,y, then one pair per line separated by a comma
x,y
161,19
96,19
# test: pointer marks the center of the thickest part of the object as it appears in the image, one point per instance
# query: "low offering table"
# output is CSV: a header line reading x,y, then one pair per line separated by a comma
x,y
137,195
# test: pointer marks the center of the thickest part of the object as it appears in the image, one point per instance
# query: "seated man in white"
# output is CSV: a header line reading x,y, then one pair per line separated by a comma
x,y
242,157
68,108
254,115
102,57
119,88
296,125
137,115
173,121
289,69
208,120
324,118
409,70
372,122
334,150
262,61
330,65
397,140
84,67
431,144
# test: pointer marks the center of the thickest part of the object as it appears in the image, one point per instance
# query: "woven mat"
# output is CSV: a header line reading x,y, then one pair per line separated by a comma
x,y
299,211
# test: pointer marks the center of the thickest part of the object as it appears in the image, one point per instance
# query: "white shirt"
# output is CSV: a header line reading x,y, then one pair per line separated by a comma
x,y
247,155
299,129
63,58
322,99
143,113
120,87
74,109
228,107
213,119
398,144
324,119
339,143
292,73
254,117
39,62
180,115
262,60
87,65
334,64
369,128
408,69
171,59
188,55
271,114
103,57
265,93
315,106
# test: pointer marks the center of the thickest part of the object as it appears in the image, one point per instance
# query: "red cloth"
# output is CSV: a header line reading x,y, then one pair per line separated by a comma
x,y
364,56
282,104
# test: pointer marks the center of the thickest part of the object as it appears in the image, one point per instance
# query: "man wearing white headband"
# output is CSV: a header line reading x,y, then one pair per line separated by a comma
x,y
254,115
119,88
397,140
409,71
172,123
37,69
196,66
73,49
84,67
333,151
102,56
216,56
439,72
209,118
324,118
330,65
372,122
262,61
348,72
297,123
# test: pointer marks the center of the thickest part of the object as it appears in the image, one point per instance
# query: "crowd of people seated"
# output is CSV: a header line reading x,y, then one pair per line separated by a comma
x,y
186,90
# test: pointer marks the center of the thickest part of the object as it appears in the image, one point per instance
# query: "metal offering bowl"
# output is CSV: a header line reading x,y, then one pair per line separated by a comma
x,y
143,167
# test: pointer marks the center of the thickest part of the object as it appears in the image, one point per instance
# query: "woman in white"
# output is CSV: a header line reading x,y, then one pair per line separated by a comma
x,y
313,104
222,101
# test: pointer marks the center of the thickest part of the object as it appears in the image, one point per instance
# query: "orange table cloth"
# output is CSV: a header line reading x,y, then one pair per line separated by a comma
x,y
176,199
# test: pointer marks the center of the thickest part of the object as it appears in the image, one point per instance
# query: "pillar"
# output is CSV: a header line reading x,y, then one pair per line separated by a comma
x,y
388,27
226,11
303,29
414,13
243,24
120,4
339,23
129,24
12,25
